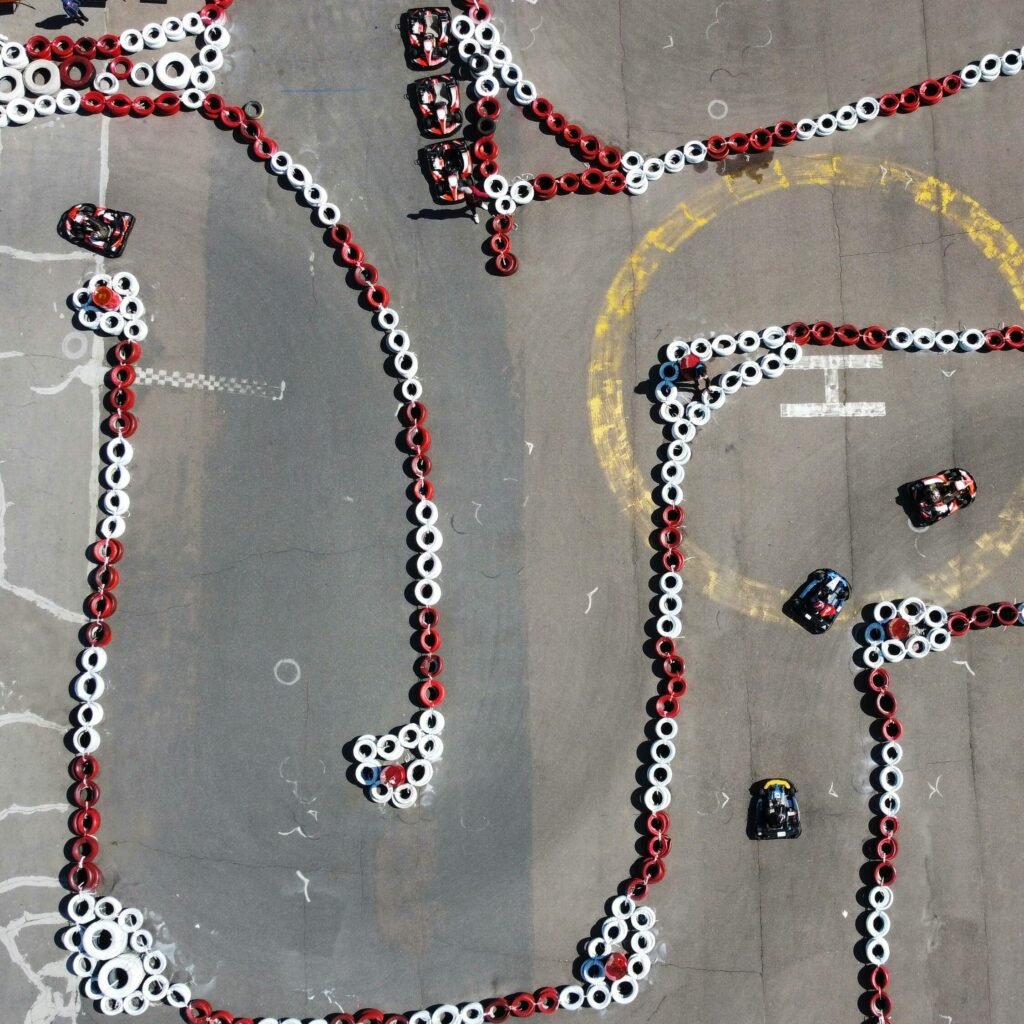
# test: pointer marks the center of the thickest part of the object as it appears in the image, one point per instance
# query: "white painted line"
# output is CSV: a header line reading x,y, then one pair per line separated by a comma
x,y
305,885
29,718
823,409
22,809
29,882
590,600
293,671
210,382
935,789
832,407
42,257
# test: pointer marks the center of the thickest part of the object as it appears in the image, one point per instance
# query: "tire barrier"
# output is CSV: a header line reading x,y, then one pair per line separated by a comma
x,y
924,628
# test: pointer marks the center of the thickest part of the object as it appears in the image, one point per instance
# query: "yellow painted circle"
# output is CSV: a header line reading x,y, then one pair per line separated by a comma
x,y
605,387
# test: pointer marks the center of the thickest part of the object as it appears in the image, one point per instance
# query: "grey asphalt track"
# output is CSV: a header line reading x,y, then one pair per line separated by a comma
x,y
264,620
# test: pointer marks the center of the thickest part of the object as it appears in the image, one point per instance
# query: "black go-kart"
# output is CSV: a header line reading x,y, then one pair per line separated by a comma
x,y
818,602
438,104
96,228
934,497
426,33
776,811
450,168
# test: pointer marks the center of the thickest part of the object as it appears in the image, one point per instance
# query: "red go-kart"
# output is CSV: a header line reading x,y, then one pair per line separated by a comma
x,y
97,228
934,497
450,169
438,104
426,35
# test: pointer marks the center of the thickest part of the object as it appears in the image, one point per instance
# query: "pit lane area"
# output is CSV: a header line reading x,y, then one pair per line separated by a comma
x,y
263,619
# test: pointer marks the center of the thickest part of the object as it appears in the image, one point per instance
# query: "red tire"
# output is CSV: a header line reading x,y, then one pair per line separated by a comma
x,y
952,84
423,489
798,332
84,768
168,103
615,182
572,133
591,180
506,264
670,537
675,686
659,846
108,46
880,978
84,877
485,149
847,334
874,337
823,332
541,108
888,825
888,104
589,147
784,133
430,666
118,105
120,399
84,848
738,143
122,424
250,130
428,617
62,47
958,624
414,414
892,730
652,871
886,704
350,254
107,550
263,149
212,105
556,122
667,706
930,91
429,641
658,823
499,243
126,352
418,440
105,577
365,274
673,560
884,873
502,223
101,605
673,515
488,106
86,821
718,148
881,1005
568,183
910,100
760,140
377,296
143,106
231,117
887,848
85,794
994,341
673,665
546,1000
420,465
496,1009
370,1016
522,1004
198,1010
878,680
665,647
97,634
76,73
211,14
982,617
544,185
431,693
122,376
1014,336
609,158
38,48
1006,613
85,46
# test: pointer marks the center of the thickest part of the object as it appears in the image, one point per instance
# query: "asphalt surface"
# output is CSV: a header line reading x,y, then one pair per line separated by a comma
x,y
268,536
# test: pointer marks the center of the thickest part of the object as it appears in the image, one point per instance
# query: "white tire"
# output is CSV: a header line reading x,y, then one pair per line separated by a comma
x,y
216,35
153,36
131,41
912,609
69,101
524,93
878,924
890,778
42,78
873,656
877,951
657,798
880,897
431,721
695,152
142,74
14,55
210,58
120,976
918,647
891,752
806,129
884,611
894,650
901,338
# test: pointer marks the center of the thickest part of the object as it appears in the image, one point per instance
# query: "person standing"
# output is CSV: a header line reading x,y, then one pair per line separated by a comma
x,y
73,10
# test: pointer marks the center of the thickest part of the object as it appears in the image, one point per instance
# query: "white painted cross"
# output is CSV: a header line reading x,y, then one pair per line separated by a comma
x,y
831,365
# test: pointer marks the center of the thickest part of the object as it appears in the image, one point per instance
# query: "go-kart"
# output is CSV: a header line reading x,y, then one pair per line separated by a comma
x,y
817,604
438,104
451,170
934,497
425,30
97,228
776,811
